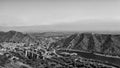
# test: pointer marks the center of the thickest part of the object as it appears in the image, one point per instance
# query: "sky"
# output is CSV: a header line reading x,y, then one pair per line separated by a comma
x,y
61,14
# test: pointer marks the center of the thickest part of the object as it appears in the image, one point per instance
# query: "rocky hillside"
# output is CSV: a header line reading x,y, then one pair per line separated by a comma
x,y
13,36
89,42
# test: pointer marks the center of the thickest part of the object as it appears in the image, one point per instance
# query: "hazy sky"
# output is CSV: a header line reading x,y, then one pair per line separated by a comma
x,y
95,13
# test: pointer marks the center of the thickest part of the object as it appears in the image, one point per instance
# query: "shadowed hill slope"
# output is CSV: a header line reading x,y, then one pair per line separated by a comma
x,y
89,42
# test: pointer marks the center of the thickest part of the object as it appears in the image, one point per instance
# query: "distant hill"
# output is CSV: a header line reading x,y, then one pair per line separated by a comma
x,y
52,34
68,27
13,36
89,42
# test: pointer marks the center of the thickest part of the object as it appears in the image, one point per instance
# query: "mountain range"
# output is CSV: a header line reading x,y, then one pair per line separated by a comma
x,y
88,42
108,44
78,26
13,36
